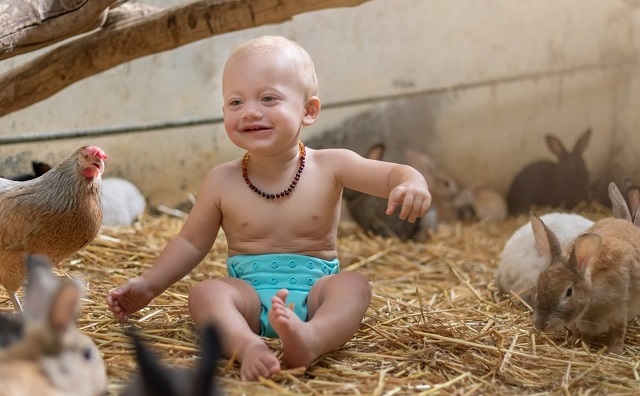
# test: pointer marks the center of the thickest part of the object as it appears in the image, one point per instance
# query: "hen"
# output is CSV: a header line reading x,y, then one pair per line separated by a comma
x,y
56,214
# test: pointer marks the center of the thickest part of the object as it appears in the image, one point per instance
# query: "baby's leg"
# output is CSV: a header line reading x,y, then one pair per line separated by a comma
x,y
234,308
336,303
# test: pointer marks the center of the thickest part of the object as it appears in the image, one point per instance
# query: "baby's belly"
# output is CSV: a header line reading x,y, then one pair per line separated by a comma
x,y
321,249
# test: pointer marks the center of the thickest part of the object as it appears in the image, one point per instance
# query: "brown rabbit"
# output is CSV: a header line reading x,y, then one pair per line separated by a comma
x,y
51,356
593,287
547,183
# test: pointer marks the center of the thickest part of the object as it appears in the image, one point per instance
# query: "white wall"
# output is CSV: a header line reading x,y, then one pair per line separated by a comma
x,y
477,84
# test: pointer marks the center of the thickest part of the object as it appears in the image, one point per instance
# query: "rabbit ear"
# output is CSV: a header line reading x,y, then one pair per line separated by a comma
x,y
65,306
209,359
375,152
155,377
556,146
546,241
582,142
42,285
619,205
421,161
585,252
633,198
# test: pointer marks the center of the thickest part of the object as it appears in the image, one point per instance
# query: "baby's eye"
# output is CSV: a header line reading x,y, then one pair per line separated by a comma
x,y
268,98
235,102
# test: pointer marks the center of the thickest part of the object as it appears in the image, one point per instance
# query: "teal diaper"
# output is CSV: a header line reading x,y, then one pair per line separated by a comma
x,y
268,273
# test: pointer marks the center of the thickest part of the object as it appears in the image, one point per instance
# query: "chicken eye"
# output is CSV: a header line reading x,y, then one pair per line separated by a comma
x,y
86,353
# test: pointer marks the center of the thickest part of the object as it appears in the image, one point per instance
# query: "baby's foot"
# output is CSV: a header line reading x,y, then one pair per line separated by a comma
x,y
258,360
300,346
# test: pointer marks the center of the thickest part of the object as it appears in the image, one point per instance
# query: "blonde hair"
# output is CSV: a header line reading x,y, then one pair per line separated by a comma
x,y
278,45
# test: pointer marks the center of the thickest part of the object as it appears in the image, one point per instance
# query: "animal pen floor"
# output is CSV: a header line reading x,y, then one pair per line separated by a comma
x,y
436,324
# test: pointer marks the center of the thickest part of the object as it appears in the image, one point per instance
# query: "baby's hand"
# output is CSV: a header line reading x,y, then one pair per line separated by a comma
x,y
414,198
129,298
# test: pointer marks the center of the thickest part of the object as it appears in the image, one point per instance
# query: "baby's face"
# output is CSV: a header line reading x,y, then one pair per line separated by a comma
x,y
264,101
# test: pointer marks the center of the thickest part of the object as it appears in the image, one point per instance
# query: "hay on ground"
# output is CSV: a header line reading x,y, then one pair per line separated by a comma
x,y
436,324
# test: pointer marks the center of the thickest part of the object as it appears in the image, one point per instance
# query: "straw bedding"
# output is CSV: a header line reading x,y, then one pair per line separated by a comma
x,y
436,324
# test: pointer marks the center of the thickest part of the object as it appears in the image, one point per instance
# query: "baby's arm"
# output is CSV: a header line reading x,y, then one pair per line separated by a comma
x,y
403,185
181,255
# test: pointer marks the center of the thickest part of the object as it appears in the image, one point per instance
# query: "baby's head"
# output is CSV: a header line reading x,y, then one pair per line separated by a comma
x,y
280,49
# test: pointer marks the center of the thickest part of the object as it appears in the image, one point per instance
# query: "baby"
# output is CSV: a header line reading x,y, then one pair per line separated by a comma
x,y
279,207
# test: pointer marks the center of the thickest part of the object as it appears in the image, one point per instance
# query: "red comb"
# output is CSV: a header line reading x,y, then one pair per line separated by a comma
x,y
96,152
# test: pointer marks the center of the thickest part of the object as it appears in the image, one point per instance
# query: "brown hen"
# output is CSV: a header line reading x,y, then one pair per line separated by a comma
x,y
56,214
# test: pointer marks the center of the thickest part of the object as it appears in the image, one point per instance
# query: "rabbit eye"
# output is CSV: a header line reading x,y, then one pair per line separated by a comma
x,y
569,292
86,353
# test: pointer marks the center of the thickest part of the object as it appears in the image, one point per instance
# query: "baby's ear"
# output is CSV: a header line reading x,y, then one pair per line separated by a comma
x,y
311,111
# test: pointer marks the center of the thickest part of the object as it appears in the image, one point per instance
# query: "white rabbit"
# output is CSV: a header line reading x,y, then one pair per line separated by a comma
x,y
122,202
521,260
51,357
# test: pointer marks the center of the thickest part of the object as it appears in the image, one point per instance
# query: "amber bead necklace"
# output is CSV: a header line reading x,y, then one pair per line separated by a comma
x,y
294,182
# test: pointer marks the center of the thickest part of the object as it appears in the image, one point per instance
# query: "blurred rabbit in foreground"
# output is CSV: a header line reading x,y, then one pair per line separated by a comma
x,y
546,183
45,354
154,378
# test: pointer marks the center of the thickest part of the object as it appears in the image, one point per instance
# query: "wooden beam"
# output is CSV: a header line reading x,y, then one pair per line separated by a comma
x,y
26,26
140,35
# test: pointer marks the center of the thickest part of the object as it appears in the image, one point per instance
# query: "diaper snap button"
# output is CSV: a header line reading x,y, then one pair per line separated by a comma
x,y
309,281
292,280
310,265
255,265
274,280
274,264
256,282
292,264
241,270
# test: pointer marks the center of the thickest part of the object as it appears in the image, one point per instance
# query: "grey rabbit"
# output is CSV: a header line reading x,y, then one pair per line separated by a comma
x,y
157,379
547,183
369,211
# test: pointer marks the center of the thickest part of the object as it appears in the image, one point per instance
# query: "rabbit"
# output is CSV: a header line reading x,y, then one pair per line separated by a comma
x,y
521,260
547,183
51,356
481,203
593,287
122,202
443,187
154,378
369,211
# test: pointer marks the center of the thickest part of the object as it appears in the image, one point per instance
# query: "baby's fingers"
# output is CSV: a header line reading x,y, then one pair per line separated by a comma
x,y
396,197
414,203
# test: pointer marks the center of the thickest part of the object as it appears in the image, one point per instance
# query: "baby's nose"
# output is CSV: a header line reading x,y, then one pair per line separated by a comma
x,y
251,111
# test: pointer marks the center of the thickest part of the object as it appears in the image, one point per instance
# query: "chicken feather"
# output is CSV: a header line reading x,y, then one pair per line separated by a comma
x,y
56,214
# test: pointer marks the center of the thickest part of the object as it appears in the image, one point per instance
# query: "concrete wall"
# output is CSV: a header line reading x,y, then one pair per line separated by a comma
x,y
476,84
